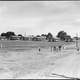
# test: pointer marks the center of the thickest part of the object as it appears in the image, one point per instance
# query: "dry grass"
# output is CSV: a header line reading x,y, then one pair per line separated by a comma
x,y
23,57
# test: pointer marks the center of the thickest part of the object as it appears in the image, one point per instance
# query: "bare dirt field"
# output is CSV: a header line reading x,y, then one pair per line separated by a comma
x,y
21,59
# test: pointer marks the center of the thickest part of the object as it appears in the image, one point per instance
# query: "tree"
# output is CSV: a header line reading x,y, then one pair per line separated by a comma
x,y
9,34
67,38
38,36
43,35
20,35
49,37
61,35
3,34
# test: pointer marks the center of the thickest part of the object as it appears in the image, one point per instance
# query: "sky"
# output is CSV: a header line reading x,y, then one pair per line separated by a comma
x,y
37,17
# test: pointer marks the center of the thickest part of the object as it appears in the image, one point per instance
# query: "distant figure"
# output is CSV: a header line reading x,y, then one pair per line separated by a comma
x,y
59,48
54,48
39,49
77,49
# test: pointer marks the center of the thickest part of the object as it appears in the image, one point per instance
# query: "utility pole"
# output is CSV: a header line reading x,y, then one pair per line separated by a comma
x,y
77,47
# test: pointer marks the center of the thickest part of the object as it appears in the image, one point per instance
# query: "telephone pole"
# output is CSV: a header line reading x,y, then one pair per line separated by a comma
x,y
77,47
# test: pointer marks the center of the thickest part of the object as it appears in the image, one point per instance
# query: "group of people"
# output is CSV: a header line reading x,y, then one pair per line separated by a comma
x,y
53,48
56,48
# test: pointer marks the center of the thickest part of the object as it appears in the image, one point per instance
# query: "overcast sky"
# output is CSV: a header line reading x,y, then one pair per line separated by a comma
x,y
36,17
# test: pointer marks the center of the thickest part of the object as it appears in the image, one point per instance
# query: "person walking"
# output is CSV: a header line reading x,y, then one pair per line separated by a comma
x,y
60,47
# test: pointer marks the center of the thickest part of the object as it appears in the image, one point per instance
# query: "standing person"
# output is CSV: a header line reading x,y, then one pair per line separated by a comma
x,y
54,48
60,48
39,49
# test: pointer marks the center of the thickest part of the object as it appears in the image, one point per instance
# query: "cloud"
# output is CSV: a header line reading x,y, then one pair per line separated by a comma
x,y
26,8
39,16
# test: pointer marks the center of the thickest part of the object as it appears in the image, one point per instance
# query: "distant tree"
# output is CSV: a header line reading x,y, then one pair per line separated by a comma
x,y
9,34
43,34
3,34
49,37
67,38
38,36
61,35
20,35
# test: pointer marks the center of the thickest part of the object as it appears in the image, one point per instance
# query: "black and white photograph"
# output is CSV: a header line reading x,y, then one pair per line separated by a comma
x,y
40,40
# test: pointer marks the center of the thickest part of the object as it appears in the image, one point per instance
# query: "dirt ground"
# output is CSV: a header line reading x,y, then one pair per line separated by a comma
x,y
32,64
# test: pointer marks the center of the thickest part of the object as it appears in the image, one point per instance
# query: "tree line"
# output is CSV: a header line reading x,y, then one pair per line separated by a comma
x,y
62,35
